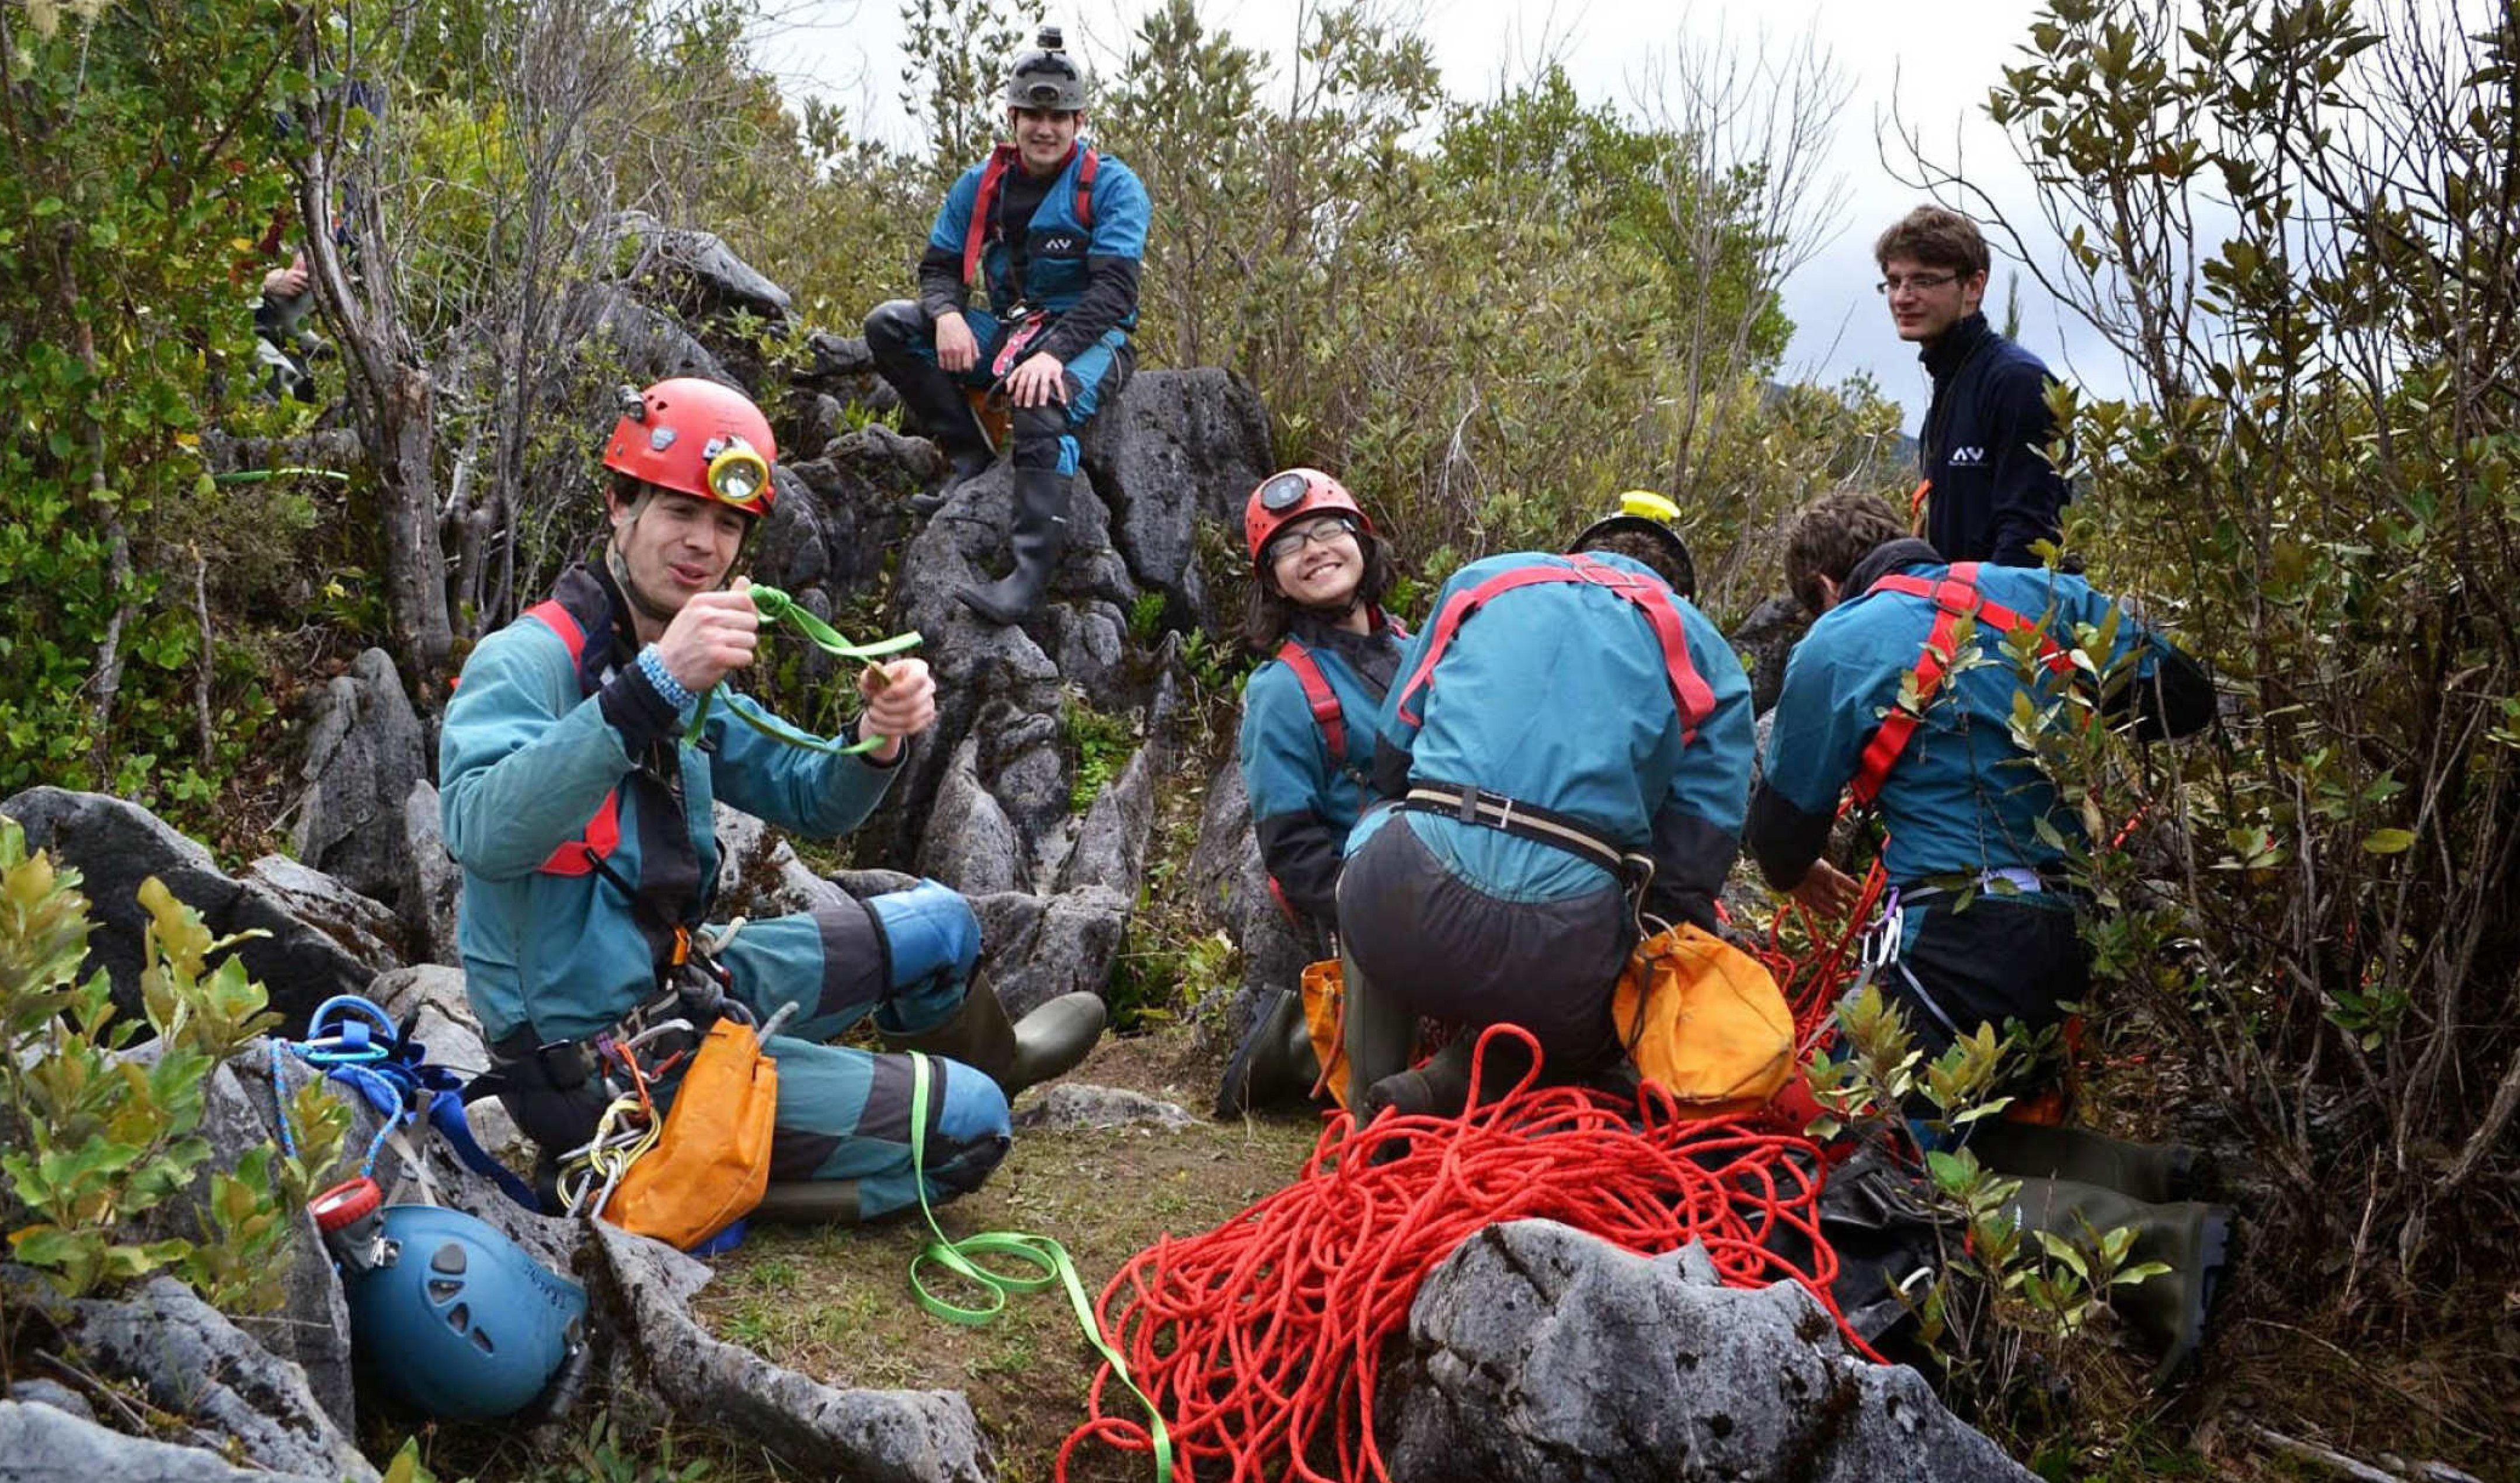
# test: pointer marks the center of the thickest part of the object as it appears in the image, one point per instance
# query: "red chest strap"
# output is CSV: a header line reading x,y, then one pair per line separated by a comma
x,y
1955,597
1689,692
1318,695
976,237
603,833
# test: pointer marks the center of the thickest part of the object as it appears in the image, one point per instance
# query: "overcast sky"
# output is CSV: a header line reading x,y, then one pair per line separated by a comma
x,y
1934,61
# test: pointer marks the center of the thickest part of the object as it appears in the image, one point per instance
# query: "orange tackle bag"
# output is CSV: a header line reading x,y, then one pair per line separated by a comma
x,y
1324,989
1706,1020
712,1160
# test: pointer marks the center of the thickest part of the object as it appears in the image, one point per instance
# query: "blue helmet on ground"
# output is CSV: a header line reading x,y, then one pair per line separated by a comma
x,y
448,1315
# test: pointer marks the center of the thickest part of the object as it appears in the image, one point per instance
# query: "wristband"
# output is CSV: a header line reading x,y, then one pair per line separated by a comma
x,y
670,689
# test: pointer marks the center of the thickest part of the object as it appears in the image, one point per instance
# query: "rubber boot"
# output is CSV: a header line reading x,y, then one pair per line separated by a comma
x,y
1380,1034
1038,538
2152,1173
1441,1088
945,414
1049,1041
809,1202
1275,1066
2169,1310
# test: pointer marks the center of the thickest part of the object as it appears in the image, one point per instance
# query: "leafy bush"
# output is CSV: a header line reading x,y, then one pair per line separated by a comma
x,y
105,1136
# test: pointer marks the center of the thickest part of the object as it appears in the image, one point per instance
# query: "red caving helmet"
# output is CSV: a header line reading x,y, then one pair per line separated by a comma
x,y
697,437
1288,496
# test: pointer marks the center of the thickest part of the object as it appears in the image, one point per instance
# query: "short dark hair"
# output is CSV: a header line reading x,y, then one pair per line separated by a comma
x,y
1828,536
1658,557
1268,614
1937,237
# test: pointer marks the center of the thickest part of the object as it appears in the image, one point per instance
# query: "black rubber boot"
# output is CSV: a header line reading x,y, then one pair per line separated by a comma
x,y
933,399
1441,1088
1275,1066
1049,1043
810,1202
2152,1173
2169,1310
1038,538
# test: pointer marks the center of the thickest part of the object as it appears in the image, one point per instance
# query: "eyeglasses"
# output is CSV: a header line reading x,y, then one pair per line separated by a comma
x,y
1920,282
1310,533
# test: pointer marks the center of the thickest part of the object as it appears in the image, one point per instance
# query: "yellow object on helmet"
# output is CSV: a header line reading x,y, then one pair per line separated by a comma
x,y
1650,505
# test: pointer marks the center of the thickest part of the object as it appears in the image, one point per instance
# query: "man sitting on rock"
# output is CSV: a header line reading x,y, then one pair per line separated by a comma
x,y
1881,698
1570,743
577,799
1054,231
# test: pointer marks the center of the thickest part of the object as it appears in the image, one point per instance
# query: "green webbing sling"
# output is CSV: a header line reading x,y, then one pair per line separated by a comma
x,y
774,604
1038,1251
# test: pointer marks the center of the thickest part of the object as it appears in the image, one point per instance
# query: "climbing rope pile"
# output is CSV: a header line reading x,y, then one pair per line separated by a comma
x,y
1260,1342
1814,977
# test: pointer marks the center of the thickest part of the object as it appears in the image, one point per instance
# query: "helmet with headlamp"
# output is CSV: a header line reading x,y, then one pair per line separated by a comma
x,y
698,438
1291,495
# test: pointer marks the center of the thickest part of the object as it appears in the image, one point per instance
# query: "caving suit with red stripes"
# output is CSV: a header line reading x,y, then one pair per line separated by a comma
x,y
582,816
1970,814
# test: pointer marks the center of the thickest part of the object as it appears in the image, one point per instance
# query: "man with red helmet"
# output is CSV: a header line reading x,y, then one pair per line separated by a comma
x,y
577,795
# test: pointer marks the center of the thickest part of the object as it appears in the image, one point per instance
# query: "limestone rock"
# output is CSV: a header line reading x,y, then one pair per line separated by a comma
x,y
1231,885
42,1444
708,275
1036,948
758,874
1538,1353
364,750
116,846
899,1436
970,845
432,883
1765,639
190,1360
367,929
1067,1105
1181,445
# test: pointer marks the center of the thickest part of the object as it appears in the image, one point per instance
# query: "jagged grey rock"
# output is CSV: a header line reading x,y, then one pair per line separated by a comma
x,y
1069,1106
432,883
882,1436
758,874
191,1360
116,845
640,345
1110,848
364,750
834,356
970,845
1181,445
1538,1353
1036,948
42,1392
1765,639
45,1444
366,928
713,279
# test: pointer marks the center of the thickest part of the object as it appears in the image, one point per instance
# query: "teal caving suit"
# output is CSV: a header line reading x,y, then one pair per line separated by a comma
x,y
1561,701
1067,247
1962,802
1304,800
582,818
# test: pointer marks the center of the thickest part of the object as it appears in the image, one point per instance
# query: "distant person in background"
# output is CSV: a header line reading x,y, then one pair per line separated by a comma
x,y
1989,491
1054,233
281,341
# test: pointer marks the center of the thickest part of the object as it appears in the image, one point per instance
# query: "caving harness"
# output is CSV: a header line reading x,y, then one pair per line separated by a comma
x,y
1691,696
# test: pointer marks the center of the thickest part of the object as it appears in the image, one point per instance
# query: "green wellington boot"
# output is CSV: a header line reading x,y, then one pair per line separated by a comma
x,y
1275,1066
1441,1088
1038,538
809,1202
2154,1173
2169,1310
1049,1043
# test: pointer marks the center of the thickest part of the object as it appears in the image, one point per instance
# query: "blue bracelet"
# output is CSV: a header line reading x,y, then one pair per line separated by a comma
x,y
671,689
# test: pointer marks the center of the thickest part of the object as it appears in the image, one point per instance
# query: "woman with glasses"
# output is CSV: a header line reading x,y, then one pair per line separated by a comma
x,y
1319,575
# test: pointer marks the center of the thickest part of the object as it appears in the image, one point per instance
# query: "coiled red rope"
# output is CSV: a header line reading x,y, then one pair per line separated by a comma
x,y
1260,1341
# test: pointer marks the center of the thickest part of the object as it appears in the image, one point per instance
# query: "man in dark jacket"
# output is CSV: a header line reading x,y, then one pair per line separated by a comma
x,y
1989,490
1055,232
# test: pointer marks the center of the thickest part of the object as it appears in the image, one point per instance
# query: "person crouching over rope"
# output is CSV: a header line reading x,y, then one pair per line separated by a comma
x,y
578,801
1971,817
1319,574
1569,747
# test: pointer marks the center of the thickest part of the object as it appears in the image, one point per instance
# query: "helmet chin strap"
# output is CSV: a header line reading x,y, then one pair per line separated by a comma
x,y
647,607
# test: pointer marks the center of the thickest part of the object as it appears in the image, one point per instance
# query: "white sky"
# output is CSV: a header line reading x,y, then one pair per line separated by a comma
x,y
1936,60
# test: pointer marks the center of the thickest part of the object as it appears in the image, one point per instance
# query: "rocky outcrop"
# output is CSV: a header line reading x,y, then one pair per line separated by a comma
x,y
1182,447
1231,885
364,751
1538,1353
43,1444
1067,1107
116,845
1763,640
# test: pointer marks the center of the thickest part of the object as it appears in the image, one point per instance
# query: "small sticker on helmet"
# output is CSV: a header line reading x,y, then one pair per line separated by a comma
x,y
659,439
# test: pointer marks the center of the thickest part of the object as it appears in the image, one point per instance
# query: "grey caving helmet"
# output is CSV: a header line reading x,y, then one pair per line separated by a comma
x,y
1046,77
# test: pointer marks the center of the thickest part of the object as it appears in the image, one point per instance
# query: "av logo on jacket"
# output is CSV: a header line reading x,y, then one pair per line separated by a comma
x,y
1060,244
1968,457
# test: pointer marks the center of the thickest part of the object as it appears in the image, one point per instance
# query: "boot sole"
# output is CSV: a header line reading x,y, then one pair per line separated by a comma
x,y
2213,1255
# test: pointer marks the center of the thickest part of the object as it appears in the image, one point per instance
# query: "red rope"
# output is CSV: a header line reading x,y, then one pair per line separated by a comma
x,y
1261,1341
1815,978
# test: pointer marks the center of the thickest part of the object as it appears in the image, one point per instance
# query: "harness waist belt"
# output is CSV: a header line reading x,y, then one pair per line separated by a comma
x,y
1523,821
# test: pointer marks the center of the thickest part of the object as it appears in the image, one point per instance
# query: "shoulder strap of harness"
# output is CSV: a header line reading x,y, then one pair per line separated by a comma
x,y
1690,694
1086,169
1318,695
976,235
577,608
1955,597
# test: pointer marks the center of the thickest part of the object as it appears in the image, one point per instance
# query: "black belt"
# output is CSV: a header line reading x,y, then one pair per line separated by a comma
x,y
1468,804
